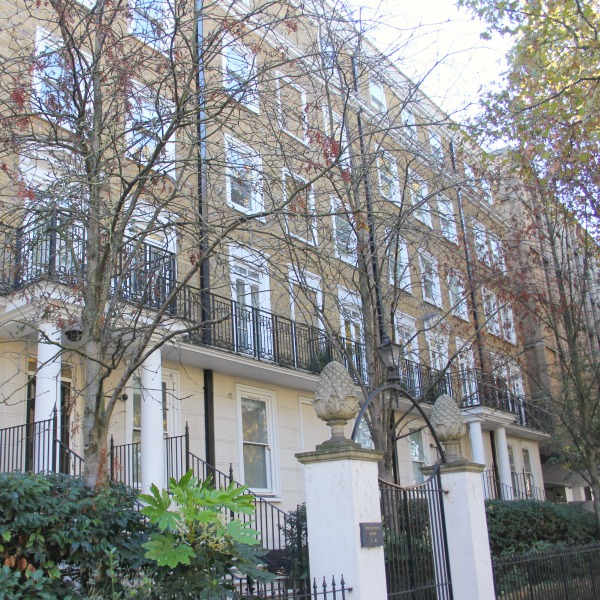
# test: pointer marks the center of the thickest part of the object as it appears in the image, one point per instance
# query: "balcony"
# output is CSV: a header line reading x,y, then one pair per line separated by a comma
x,y
34,253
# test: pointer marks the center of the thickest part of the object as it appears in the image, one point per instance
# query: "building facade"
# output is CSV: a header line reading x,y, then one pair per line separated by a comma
x,y
201,210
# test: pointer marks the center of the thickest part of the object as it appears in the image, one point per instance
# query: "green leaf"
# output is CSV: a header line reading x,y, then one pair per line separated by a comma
x,y
167,551
243,533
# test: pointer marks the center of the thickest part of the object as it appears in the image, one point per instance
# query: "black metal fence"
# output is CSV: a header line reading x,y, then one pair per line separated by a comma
x,y
37,447
284,588
522,487
415,544
565,574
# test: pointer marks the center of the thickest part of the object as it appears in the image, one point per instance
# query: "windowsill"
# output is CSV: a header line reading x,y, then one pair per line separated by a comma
x,y
314,242
304,141
251,106
270,496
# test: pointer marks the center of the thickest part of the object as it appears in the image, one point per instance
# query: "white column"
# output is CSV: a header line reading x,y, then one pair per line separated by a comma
x,y
503,463
467,532
47,394
47,377
152,439
341,492
476,437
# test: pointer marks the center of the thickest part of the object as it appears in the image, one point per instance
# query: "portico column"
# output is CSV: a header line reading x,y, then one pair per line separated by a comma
x,y
152,445
476,437
503,463
47,395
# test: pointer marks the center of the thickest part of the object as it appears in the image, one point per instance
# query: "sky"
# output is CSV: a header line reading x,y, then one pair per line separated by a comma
x,y
438,32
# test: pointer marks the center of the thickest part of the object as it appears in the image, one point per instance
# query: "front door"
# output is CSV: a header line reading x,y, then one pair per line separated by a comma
x,y
253,324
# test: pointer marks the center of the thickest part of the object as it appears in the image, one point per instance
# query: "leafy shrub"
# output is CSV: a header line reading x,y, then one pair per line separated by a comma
x,y
196,546
56,534
520,526
295,534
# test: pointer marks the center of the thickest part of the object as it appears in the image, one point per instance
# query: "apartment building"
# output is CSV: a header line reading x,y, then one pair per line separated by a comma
x,y
201,210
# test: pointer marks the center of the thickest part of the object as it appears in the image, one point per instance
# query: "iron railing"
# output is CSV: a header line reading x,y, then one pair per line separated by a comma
x,y
415,544
284,588
54,249
522,487
146,276
37,447
560,574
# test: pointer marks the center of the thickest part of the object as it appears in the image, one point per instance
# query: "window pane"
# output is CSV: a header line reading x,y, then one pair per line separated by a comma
x,y
254,421
255,466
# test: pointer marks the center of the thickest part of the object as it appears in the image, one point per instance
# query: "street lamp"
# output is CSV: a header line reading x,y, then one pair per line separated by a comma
x,y
390,354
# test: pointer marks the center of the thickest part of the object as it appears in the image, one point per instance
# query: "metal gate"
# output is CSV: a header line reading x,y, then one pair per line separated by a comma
x,y
416,549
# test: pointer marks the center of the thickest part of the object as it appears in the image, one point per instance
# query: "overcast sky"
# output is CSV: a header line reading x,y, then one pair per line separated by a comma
x,y
438,31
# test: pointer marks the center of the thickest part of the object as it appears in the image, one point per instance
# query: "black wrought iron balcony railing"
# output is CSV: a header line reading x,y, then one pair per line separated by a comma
x,y
54,250
146,276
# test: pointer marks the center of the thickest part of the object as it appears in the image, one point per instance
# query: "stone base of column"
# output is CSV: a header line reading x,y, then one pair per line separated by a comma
x,y
342,491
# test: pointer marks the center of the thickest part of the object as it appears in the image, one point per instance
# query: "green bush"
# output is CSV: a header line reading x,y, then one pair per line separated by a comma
x,y
520,526
196,547
56,535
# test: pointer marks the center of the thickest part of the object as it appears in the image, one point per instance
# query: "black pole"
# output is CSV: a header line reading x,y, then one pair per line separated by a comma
x,y
469,261
209,417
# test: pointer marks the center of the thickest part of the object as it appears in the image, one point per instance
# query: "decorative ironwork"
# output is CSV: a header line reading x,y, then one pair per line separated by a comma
x,y
416,549
147,277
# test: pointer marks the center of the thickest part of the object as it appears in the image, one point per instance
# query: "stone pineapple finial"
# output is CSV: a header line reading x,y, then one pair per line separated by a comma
x,y
447,420
335,399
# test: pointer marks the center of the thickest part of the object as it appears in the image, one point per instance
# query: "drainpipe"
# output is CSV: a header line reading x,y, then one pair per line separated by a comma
x,y
209,412
469,261
383,337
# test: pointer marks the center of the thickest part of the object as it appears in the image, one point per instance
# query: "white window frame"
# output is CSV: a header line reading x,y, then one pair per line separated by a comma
x,y
302,278
480,237
310,196
377,95
398,258
491,312
255,180
47,45
338,215
458,300
436,298
436,143
409,122
508,323
421,206
438,347
303,108
339,135
247,93
162,24
467,374
328,55
486,190
406,331
272,453
142,104
496,252
387,159
447,218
